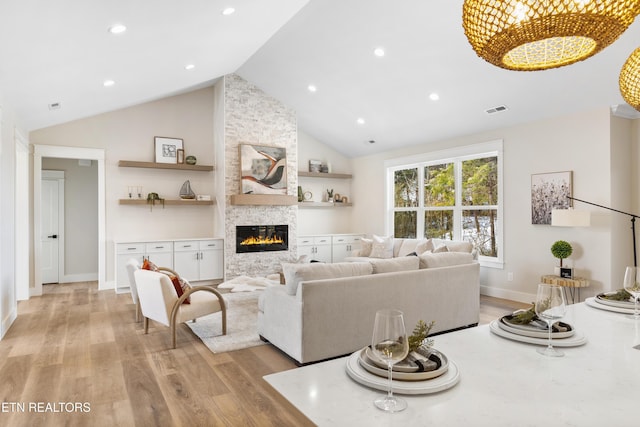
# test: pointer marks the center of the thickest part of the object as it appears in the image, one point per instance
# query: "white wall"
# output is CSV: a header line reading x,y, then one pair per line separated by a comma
x,y
81,218
324,220
128,134
8,303
580,143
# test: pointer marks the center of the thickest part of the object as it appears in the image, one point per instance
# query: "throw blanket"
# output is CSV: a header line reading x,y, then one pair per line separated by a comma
x,y
248,284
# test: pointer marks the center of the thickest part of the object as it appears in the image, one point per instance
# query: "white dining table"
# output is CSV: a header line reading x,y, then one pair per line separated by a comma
x,y
502,382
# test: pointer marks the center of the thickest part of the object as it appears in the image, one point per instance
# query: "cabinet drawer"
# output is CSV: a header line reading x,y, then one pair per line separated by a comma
x,y
130,248
347,239
187,245
314,240
156,247
211,244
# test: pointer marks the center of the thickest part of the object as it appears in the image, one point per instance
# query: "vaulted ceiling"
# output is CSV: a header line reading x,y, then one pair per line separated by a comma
x,y
61,52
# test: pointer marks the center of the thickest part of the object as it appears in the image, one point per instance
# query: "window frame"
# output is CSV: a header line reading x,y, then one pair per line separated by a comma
x,y
457,156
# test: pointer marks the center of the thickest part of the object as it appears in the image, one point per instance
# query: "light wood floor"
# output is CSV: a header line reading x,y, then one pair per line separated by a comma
x,y
75,344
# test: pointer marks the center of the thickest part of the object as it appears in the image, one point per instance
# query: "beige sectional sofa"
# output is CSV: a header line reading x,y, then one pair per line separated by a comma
x,y
327,310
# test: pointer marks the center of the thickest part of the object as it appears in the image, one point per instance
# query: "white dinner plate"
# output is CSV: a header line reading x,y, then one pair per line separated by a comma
x,y
534,332
592,302
613,303
362,376
576,340
371,366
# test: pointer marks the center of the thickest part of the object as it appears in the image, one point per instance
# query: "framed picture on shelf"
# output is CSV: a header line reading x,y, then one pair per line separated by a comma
x,y
167,149
549,191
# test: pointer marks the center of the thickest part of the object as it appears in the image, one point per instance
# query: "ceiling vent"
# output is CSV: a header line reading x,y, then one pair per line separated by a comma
x,y
497,109
54,106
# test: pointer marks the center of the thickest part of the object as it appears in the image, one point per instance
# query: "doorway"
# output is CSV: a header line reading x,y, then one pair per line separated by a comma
x,y
60,152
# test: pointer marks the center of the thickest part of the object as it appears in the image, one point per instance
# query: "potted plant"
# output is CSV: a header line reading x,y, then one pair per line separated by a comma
x,y
561,250
330,195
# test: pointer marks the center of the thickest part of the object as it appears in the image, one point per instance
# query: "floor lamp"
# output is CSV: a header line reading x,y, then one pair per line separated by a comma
x,y
565,217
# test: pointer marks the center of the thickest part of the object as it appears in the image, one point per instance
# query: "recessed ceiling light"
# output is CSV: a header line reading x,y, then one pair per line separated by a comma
x,y
434,96
228,11
189,67
360,121
378,52
312,88
117,29
108,83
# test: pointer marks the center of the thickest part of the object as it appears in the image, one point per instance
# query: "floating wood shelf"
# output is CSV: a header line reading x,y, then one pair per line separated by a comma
x,y
263,199
153,165
183,202
324,205
325,175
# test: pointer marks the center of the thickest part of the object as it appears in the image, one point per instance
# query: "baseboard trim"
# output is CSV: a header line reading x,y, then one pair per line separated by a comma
x,y
8,321
507,294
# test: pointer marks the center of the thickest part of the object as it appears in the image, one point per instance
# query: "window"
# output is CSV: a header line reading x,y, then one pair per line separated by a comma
x,y
454,195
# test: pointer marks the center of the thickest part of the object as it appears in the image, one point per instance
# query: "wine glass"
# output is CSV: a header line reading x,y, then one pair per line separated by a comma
x,y
551,306
389,343
632,285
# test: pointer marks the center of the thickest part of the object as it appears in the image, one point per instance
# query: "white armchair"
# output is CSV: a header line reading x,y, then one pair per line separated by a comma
x,y
132,266
159,301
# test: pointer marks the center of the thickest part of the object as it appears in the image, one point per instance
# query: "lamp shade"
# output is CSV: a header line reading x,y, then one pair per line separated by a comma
x,y
536,35
570,218
629,80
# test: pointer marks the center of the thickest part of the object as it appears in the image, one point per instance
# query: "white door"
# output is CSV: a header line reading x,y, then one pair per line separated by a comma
x,y
49,229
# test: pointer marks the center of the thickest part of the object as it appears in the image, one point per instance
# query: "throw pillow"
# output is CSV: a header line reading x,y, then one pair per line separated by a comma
x,y
365,248
440,249
459,246
148,265
181,286
424,245
296,273
394,264
444,259
382,247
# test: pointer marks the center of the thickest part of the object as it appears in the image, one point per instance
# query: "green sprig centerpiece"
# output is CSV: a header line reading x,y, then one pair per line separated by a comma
x,y
419,336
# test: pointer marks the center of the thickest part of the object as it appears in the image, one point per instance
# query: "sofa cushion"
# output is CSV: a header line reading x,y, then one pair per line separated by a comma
x,y
444,259
439,249
296,273
382,247
394,264
365,247
424,246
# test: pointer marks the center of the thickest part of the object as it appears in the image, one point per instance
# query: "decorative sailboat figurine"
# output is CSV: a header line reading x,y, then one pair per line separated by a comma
x,y
186,192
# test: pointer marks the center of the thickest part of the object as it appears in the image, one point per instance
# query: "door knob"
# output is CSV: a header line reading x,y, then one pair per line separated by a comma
x,y
53,236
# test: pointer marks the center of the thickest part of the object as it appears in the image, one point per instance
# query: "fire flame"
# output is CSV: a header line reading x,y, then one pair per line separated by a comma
x,y
252,240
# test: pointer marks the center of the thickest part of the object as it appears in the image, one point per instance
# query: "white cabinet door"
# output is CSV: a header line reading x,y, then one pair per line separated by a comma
x,y
186,257
124,252
211,260
317,248
346,245
160,253
199,259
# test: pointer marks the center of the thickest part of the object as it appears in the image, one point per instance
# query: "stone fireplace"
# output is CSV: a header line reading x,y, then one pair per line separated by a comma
x,y
261,238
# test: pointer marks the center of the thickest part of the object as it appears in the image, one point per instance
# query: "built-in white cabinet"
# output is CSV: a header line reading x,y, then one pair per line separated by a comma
x,y
159,253
316,248
345,245
330,247
199,259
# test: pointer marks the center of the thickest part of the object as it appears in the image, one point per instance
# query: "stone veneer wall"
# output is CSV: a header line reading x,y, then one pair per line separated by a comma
x,y
253,117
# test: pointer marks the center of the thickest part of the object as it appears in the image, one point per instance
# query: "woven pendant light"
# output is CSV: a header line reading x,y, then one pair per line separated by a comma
x,y
629,80
529,35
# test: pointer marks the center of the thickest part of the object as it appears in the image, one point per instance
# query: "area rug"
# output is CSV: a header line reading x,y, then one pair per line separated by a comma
x,y
242,324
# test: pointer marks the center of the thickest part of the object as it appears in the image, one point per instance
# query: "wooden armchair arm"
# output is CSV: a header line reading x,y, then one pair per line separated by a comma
x,y
176,306
167,269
